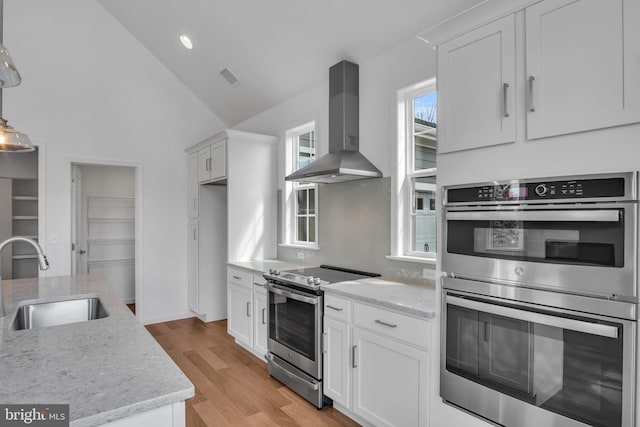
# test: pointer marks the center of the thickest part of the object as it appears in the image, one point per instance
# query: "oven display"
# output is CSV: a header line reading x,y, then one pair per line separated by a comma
x,y
517,192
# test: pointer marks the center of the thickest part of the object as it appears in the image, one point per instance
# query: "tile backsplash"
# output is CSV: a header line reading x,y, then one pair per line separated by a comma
x,y
354,223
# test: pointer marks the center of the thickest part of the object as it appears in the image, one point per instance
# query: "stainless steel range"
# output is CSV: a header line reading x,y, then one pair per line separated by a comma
x,y
295,326
539,302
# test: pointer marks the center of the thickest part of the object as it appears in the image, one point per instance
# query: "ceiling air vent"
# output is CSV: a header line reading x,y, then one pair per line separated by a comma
x,y
230,77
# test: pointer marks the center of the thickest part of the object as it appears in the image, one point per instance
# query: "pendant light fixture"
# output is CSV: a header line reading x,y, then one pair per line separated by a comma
x,y
10,139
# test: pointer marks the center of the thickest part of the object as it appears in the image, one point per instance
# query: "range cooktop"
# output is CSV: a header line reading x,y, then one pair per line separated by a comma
x,y
314,277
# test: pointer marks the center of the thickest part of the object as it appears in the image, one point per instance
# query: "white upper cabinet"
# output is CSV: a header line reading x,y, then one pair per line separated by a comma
x,y
194,185
476,96
577,63
579,76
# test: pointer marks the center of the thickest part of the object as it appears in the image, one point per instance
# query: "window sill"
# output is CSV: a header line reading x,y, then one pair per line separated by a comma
x,y
406,258
290,245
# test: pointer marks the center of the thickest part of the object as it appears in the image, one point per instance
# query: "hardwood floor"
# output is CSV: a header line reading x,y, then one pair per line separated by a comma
x,y
233,387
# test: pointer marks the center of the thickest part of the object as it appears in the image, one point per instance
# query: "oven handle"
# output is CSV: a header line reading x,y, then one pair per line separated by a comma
x,y
550,215
543,319
292,294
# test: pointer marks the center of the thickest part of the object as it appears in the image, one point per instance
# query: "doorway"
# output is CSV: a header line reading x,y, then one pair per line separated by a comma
x,y
103,225
19,209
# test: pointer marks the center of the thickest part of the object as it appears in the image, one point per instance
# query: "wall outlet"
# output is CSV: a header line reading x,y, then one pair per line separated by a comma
x,y
428,273
300,255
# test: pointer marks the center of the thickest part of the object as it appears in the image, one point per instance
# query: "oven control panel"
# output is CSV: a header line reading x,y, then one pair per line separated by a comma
x,y
539,190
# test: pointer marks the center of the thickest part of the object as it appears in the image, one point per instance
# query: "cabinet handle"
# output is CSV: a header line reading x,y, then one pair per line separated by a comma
x,y
194,234
531,107
210,163
237,277
505,109
353,356
248,308
325,343
390,325
486,331
334,308
195,204
264,310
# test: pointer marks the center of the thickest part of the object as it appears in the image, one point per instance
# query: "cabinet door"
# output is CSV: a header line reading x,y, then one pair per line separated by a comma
x,y
390,381
193,185
204,164
476,93
239,315
582,67
219,160
260,320
192,254
336,359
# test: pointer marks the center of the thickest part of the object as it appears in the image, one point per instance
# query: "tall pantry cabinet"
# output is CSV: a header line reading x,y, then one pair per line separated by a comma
x,y
232,213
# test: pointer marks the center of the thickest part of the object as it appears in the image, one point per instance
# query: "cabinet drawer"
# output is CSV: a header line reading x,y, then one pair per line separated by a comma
x,y
258,279
337,308
240,277
394,325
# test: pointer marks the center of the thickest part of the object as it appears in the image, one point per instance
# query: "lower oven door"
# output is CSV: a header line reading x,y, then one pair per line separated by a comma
x,y
295,328
520,364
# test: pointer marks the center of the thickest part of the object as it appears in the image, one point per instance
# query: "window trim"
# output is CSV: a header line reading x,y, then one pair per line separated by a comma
x,y
401,200
289,197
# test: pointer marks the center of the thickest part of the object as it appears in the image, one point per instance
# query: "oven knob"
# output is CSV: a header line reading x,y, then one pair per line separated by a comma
x,y
541,190
316,281
519,271
275,272
310,280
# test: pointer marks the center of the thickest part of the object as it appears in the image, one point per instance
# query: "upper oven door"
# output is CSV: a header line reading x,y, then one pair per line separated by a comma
x,y
295,326
586,249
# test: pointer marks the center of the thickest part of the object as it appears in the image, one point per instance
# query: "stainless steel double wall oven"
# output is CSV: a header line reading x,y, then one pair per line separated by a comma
x,y
539,301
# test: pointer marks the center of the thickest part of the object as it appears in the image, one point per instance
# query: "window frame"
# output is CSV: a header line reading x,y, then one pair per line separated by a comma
x,y
291,189
402,237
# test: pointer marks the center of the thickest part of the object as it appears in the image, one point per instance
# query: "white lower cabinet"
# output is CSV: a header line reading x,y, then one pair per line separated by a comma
x,y
260,319
247,310
376,363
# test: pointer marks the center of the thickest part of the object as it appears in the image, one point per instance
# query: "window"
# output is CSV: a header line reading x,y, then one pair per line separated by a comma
x,y
301,199
415,221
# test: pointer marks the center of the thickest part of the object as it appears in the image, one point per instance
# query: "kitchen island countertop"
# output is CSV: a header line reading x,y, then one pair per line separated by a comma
x,y
105,369
418,300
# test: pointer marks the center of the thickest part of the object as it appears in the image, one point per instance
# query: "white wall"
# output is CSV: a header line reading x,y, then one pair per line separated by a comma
x,y
91,92
108,181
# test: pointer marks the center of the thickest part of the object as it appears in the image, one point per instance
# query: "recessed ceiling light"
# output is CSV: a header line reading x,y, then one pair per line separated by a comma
x,y
186,41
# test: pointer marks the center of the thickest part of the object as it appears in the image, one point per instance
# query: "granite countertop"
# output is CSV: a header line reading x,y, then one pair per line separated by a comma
x,y
263,265
105,369
414,299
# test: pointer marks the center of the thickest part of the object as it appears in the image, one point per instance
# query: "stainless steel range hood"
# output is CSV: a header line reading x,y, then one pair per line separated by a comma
x,y
344,162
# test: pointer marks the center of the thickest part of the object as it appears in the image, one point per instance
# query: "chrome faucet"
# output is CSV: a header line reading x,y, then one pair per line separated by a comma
x,y
42,261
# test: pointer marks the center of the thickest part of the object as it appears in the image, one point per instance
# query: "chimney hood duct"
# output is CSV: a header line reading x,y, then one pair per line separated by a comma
x,y
344,162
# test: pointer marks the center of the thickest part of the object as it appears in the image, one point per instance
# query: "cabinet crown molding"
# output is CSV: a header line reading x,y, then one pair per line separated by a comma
x,y
476,16
233,134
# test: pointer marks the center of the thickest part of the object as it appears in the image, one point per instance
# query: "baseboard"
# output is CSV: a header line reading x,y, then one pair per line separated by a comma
x,y
169,318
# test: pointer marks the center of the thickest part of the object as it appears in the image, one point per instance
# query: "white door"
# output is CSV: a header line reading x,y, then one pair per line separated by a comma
x,y
260,320
337,361
476,88
582,67
192,254
390,381
239,306
78,242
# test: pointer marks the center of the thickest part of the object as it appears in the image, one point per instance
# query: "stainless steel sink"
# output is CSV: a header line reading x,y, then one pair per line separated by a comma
x,y
41,314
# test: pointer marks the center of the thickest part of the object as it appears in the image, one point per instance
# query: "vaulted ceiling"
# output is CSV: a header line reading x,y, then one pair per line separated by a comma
x,y
276,48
